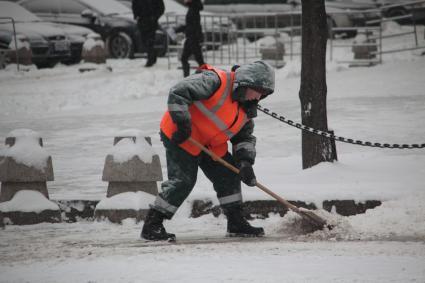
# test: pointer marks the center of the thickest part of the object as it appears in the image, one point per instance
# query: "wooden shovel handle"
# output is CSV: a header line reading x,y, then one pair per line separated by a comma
x,y
236,170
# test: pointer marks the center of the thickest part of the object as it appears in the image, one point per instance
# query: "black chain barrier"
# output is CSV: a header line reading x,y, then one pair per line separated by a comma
x,y
337,138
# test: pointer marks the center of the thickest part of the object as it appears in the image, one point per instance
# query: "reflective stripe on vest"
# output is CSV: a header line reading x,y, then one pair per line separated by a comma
x,y
214,120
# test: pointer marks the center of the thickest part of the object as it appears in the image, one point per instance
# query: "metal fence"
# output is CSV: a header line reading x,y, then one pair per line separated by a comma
x,y
276,37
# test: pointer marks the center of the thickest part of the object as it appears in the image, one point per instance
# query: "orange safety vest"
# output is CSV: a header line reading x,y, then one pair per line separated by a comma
x,y
214,120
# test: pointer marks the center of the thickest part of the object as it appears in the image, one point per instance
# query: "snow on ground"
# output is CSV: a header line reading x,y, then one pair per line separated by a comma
x,y
78,115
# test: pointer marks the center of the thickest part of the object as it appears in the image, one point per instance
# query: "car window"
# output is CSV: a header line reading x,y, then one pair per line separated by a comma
x,y
41,6
71,7
108,7
17,12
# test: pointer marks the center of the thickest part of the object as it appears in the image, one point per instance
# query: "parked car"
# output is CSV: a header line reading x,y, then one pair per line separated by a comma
x,y
352,5
49,44
394,8
281,13
77,36
5,38
111,19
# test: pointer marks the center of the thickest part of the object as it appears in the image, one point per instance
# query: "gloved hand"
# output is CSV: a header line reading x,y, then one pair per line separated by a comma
x,y
183,132
246,174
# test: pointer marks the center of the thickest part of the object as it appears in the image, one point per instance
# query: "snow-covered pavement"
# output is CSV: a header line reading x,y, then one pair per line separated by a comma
x,y
78,115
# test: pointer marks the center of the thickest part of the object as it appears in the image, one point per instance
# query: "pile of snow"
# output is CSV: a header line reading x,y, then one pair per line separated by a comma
x,y
28,201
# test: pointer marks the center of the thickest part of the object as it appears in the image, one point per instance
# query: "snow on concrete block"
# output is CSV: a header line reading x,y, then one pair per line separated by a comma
x,y
132,169
29,207
24,164
94,49
124,205
132,165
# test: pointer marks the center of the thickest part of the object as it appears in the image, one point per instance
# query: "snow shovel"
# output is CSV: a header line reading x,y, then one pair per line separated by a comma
x,y
316,221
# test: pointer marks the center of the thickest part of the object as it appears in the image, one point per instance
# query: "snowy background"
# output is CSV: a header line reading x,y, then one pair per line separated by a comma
x,y
78,115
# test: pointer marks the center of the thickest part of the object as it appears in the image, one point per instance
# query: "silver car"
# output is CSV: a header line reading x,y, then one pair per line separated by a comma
x,y
49,43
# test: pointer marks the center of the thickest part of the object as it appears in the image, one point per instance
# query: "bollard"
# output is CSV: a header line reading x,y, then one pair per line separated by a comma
x,y
25,168
132,170
22,53
333,147
94,49
363,49
272,50
94,55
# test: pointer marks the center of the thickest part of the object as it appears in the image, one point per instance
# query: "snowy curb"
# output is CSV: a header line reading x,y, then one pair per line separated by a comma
x,y
76,210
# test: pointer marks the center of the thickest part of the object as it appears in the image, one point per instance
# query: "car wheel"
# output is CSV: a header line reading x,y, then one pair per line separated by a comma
x,y
4,60
120,45
395,12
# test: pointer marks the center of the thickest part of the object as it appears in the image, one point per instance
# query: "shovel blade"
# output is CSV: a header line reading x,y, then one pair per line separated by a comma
x,y
316,221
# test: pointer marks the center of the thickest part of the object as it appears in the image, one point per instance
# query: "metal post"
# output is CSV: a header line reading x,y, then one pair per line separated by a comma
x,y
244,40
331,41
333,146
276,35
16,44
221,41
213,47
380,42
291,35
168,45
205,38
255,34
237,45
414,30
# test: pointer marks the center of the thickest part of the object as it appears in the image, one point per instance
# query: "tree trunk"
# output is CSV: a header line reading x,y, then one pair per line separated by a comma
x,y
315,149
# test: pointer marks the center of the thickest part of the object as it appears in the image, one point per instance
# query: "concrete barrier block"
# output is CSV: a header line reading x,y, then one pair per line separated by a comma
x,y
364,46
24,56
13,171
94,50
134,170
24,164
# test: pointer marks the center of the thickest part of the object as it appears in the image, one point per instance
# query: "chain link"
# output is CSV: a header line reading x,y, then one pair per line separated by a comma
x,y
337,138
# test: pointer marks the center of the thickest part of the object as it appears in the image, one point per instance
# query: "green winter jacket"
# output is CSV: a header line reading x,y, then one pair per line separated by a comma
x,y
203,85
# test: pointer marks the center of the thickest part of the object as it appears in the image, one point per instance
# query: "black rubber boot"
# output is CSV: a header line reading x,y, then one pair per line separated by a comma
x,y
151,60
151,56
153,230
238,226
186,70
